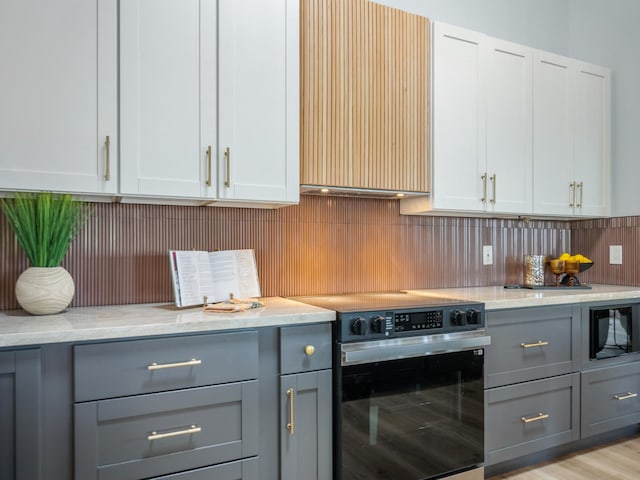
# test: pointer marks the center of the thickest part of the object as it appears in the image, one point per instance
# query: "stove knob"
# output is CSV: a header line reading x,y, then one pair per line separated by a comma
x,y
377,324
359,326
457,318
473,316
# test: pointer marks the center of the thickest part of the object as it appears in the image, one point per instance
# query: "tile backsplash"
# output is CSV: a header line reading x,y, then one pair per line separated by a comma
x,y
322,245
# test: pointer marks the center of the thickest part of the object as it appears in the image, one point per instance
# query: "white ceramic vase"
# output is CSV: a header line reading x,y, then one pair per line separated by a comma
x,y
44,290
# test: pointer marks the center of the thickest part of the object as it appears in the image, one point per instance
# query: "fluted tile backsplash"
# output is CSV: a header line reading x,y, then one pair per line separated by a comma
x,y
323,245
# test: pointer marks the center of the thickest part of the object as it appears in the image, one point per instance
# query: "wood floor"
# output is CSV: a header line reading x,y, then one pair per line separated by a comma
x,y
613,461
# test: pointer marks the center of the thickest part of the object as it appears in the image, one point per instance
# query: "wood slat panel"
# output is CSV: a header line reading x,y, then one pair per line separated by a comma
x,y
364,96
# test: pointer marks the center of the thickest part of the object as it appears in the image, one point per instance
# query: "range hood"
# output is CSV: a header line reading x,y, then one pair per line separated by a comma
x,y
357,192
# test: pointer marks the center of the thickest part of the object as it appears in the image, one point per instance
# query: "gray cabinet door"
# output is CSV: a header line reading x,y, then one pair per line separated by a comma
x,y
610,398
531,343
306,426
531,416
20,415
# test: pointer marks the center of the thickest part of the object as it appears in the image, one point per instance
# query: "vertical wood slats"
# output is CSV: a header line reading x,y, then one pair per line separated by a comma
x,y
364,96
323,245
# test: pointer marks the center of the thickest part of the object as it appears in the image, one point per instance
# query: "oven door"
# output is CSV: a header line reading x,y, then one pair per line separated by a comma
x,y
410,418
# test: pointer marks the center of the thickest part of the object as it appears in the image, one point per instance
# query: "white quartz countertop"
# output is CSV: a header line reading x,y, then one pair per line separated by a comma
x,y
496,298
121,321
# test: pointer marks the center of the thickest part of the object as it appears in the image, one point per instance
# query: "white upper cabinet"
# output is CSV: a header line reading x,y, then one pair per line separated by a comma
x,y
516,131
258,117
592,142
571,137
58,95
508,126
481,101
168,98
458,111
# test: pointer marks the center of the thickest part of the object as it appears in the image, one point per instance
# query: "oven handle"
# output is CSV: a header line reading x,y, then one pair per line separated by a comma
x,y
409,347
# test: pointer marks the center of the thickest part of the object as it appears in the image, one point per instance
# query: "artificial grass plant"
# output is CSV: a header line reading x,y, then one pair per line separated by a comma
x,y
45,224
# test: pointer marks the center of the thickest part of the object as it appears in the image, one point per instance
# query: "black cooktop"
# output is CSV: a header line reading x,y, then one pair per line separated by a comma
x,y
363,302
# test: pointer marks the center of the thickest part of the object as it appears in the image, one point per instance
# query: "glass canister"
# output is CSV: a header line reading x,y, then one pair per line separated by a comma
x,y
534,269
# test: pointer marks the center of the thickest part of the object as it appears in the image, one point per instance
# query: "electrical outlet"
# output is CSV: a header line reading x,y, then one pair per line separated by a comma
x,y
615,254
487,255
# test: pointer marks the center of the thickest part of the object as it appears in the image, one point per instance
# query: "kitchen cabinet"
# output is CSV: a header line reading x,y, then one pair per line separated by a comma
x,y
209,100
21,433
203,410
481,158
610,398
58,120
305,403
532,397
365,97
259,100
571,126
168,98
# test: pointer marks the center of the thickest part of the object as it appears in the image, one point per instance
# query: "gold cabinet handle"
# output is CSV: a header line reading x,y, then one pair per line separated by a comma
x,y
493,181
573,194
227,159
209,166
176,433
539,343
309,350
581,187
484,188
540,416
625,396
290,425
160,366
107,158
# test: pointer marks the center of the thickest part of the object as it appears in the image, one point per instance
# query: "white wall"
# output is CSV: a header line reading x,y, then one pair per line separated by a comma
x,y
603,32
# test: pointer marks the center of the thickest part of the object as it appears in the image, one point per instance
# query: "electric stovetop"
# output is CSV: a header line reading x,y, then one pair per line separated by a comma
x,y
362,302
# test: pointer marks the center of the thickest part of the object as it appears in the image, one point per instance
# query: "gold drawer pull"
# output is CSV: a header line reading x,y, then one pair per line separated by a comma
x,y
175,433
208,167
539,343
107,153
290,425
540,416
625,396
309,350
160,366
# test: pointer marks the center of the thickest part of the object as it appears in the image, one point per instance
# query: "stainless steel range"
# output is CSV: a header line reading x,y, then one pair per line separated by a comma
x,y
408,386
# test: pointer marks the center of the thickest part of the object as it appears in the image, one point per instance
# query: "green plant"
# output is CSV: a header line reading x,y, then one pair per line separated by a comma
x,y
45,224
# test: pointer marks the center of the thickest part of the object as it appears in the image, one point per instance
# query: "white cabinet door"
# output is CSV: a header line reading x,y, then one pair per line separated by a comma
x,y
509,105
258,97
553,176
591,145
58,95
167,97
458,105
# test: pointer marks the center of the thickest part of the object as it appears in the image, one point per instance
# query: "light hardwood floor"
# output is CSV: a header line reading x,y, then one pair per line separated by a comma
x,y
613,461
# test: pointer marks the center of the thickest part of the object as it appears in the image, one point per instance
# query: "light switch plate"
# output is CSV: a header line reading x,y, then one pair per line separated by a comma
x,y
487,255
615,254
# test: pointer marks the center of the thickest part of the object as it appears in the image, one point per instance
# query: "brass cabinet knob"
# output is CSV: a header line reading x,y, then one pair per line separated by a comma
x,y
309,349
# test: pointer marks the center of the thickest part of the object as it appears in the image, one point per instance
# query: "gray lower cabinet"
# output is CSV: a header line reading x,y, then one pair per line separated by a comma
x,y
20,415
610,398
201,421
531,416
306,403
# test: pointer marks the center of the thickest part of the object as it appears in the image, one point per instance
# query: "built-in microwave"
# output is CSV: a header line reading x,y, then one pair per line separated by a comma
x,y
614,331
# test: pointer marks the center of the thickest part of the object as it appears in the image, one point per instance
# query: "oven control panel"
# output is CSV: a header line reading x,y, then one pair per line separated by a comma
x,y
376,325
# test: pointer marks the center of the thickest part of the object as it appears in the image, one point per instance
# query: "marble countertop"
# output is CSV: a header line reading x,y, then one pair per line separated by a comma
x,y
496,298
121,321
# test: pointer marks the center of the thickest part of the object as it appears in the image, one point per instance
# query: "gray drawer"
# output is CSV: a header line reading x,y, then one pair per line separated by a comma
x,y
112,436
294,356
241,470
107,370
528,344
610,398
510,428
